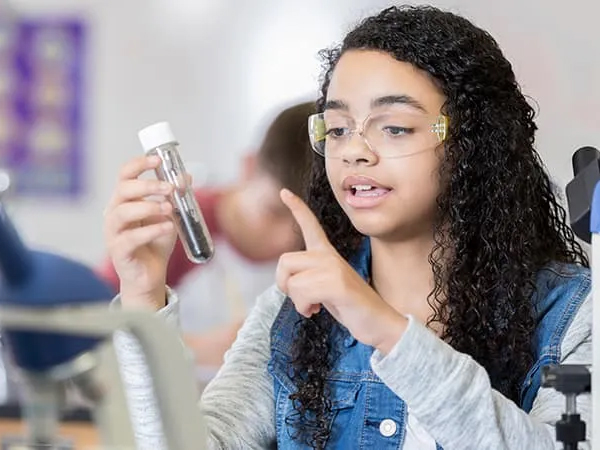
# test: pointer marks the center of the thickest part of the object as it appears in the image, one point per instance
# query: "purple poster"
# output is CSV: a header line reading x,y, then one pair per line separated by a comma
x,y
41,69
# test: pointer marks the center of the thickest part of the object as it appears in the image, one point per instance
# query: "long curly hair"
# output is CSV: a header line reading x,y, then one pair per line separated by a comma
x,y
498,218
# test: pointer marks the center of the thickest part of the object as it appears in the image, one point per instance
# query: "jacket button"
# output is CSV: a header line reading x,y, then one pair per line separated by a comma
x,y
387,427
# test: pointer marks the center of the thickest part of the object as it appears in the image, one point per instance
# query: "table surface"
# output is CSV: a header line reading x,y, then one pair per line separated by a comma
x,y
83,435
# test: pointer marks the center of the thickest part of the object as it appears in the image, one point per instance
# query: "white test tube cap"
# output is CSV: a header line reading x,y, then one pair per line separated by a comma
x,y
156,135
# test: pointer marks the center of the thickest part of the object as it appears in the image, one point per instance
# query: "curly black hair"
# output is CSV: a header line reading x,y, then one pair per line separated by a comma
x,y
499,219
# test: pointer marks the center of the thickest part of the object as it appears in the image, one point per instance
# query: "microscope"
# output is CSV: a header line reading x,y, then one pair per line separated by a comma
x,y
57,328
583,198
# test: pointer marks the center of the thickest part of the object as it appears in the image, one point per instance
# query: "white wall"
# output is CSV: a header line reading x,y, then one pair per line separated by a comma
x,y
214,68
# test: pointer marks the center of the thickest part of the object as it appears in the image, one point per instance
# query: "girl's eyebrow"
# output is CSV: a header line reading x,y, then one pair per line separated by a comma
x,y
386,100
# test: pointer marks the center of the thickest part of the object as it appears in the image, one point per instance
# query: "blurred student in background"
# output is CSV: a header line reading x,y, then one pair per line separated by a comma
x,y
251,228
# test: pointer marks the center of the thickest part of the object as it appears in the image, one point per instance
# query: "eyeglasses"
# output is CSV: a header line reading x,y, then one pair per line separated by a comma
x,y
390,135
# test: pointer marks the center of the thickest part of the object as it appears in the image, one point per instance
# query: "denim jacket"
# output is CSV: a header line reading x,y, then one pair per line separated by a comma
x,y
360,401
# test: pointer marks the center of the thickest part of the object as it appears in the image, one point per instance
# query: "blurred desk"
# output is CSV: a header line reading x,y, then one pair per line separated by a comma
x,y
76,427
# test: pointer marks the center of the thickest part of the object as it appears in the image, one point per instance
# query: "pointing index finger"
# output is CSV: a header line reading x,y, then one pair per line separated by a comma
x,y
312,232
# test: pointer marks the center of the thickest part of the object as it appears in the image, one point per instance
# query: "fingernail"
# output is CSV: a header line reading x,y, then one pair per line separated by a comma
x,y
286,193
165,187
165,207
